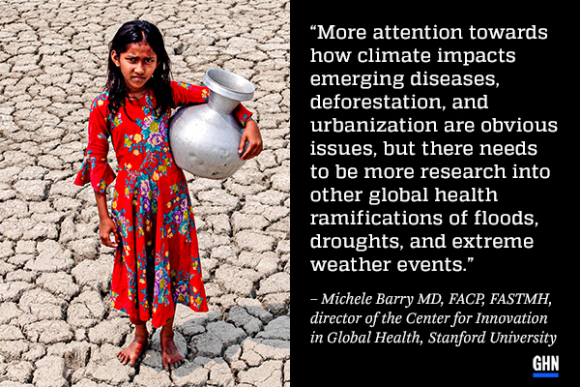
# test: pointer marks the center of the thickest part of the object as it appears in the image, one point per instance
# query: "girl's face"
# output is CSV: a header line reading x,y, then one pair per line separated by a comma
x,y
137,65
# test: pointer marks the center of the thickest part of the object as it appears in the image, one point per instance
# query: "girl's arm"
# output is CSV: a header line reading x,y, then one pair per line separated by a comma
x,y
106,224
253,136
96,170
186,93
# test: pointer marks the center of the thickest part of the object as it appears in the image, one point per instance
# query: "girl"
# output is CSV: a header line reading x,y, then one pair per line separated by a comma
x,y
156,259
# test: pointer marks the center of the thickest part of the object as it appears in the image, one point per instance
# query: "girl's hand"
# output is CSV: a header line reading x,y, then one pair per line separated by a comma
x,y
106,227
253,136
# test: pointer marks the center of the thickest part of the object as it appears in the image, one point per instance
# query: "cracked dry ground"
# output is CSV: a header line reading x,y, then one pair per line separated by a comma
x,y
56,324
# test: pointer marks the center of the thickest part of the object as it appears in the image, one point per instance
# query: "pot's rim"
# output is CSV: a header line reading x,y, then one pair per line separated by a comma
x,y
228,84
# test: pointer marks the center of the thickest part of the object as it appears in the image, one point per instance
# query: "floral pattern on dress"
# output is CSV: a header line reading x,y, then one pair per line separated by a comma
x,y
157,261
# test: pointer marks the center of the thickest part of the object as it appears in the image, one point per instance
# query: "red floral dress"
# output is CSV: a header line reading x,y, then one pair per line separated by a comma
x,y
157,260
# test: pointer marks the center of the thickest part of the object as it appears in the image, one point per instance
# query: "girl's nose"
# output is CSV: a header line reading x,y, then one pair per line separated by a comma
x,y
139,68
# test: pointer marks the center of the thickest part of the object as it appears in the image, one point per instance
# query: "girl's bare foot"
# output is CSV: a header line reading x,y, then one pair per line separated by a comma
x,y
169,354
136,348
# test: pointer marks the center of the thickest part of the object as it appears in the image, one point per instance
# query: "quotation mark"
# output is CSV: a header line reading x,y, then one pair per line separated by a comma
x,y
313,27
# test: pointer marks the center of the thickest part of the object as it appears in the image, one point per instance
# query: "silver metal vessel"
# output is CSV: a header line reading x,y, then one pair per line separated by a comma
x,y
204,139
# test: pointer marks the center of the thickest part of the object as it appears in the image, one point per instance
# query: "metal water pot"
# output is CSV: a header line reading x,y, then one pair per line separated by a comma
x,y
204,139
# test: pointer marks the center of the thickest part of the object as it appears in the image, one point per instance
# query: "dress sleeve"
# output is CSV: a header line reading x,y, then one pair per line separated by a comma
x,y
242,114
95,168
185,93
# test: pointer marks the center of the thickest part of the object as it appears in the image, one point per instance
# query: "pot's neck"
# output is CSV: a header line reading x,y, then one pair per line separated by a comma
x,y
221,104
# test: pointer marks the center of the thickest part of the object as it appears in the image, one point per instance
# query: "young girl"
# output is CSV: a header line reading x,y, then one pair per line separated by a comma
x,y
157,262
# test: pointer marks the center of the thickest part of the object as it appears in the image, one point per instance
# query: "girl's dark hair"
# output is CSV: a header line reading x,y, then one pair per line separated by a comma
x,y
134,32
